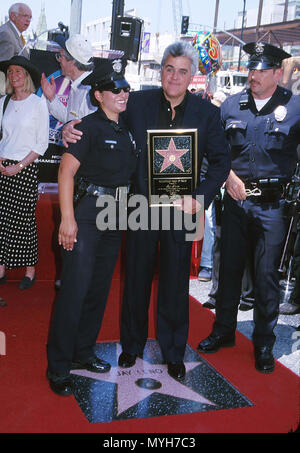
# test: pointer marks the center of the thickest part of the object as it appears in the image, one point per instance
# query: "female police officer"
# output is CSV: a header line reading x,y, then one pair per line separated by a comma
x,y
103,162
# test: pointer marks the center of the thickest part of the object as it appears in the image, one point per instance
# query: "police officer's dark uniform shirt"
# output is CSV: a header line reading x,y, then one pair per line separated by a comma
x,y
105,151
262,142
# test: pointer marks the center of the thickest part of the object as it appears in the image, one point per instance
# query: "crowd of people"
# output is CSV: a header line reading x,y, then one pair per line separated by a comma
x,y
247,145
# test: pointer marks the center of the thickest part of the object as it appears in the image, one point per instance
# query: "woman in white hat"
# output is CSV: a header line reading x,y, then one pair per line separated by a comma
x,y
25,131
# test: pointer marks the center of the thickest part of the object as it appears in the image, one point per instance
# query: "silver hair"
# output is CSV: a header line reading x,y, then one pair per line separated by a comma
x,y
15,8
182,49
82,67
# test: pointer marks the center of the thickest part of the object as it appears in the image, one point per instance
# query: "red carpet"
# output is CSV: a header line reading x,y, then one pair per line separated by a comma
x,y
28,405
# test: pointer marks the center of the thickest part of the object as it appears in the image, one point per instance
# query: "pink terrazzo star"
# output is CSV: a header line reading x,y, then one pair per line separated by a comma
x,y
130,393
172,156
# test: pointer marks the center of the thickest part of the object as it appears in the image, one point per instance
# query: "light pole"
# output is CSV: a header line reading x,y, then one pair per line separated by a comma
x,y
242,32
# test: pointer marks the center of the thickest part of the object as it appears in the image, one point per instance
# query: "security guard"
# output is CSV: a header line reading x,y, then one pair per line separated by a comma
x,y
102,163
259,123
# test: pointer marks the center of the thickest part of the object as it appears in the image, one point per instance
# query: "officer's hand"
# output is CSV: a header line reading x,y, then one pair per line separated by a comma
x,y
235,187
67,234
70,134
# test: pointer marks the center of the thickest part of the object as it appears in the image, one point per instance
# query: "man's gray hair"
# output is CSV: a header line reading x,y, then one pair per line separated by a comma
x,y
182,49
82,67
15,8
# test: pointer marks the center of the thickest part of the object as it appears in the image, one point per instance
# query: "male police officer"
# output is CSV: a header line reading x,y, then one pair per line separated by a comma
x,y
259,126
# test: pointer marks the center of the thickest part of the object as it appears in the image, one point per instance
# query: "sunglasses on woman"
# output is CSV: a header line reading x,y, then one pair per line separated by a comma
x,y
118,90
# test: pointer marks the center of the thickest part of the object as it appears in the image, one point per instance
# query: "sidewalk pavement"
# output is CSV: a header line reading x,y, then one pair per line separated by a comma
x,y
287,347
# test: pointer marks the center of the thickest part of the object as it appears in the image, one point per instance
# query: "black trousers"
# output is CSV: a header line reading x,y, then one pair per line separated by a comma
x,y
86,278
295,295
262,227
172,297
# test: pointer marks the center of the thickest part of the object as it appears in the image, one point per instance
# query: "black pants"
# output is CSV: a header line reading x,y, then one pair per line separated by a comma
x,y
86,278
173,292
295,295
262,227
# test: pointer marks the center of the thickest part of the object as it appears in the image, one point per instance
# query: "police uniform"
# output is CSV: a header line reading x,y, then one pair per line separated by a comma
x,y
264,155
106,153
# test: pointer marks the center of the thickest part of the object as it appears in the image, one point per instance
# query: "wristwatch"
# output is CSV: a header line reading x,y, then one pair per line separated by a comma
x,y
21,165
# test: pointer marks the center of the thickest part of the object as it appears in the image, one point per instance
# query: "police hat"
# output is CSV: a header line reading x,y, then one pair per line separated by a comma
x,y
108,72
264,56
19,60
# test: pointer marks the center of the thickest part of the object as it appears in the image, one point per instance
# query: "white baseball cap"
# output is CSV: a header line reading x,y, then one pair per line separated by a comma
x,y
77,46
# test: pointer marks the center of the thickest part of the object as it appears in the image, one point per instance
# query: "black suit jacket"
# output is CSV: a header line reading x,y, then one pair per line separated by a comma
x,y
143,111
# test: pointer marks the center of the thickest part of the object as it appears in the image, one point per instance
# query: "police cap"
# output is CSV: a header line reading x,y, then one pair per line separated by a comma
x,y
264,56
108,73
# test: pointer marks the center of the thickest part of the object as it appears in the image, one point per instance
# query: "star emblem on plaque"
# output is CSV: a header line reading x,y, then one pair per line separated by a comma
x,y
172,164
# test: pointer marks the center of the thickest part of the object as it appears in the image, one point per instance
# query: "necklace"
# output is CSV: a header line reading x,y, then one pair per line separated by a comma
x,y
17,105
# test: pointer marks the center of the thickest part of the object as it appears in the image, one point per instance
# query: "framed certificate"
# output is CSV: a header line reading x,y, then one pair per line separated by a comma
x,y
172,164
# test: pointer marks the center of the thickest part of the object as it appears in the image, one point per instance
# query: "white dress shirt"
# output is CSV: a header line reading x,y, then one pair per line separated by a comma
x,y
78,105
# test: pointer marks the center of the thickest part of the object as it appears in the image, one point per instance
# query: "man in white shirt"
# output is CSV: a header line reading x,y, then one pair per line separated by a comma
x,y
75,58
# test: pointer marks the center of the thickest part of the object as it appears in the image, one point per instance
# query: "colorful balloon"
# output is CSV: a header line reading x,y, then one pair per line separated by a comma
x,y
209,52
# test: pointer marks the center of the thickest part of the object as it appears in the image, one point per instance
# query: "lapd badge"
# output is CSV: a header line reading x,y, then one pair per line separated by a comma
x,y
117,65
259,49
280,113
172,164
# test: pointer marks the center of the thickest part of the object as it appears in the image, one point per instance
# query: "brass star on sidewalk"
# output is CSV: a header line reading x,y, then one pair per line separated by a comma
x,y
172,156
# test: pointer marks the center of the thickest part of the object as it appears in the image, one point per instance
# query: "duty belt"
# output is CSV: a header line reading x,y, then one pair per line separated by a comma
x,y
265,190
119,193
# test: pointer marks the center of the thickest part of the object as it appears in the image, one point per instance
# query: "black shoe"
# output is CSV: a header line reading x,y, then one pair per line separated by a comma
x,y
126,360
3,279
210,303
94,364
60,385
176,370
214,342
264,360
26,283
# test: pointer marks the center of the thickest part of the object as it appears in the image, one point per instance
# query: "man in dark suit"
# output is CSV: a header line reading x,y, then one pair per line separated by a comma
x,y
171,107
11,39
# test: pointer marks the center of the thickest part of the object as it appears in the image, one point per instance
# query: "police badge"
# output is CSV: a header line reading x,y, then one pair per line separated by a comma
x,y
280,113
117,65
259,48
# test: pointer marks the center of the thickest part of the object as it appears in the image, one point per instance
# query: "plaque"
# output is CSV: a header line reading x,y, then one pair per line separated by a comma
x,y
172,164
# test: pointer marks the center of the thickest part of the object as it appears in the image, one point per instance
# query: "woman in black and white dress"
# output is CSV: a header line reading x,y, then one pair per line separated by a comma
x,y
25,130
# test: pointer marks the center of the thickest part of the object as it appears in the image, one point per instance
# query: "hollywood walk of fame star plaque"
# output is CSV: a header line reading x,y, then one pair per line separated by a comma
x,y
172,164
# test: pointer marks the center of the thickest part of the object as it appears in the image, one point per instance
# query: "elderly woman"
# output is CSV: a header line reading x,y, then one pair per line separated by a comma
x,y
102,164
25,132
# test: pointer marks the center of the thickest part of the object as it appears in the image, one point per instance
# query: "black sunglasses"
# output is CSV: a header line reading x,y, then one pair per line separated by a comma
x,y
118,90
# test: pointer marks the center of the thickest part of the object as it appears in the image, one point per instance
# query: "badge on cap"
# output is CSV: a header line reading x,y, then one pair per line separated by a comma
x,y
259,48
117,65
280,113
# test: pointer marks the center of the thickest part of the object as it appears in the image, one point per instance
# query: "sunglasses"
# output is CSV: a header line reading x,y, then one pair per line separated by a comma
x,y
118,90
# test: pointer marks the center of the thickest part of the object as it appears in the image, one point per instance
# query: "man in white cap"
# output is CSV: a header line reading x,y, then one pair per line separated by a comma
x,y
76,61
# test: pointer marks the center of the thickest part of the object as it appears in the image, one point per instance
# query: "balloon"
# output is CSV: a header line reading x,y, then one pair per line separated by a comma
x,y
209,52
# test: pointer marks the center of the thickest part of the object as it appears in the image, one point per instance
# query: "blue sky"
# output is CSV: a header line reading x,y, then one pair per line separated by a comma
x,y
159,12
